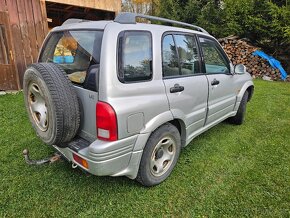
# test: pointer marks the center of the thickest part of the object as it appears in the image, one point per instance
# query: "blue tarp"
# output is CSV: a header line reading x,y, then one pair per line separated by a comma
x,y
273,62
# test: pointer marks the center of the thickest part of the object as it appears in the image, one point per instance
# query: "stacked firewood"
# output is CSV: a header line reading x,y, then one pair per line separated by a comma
x,y
240,52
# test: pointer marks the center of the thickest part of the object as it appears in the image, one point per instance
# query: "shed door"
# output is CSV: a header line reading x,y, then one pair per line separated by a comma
x,y
8,79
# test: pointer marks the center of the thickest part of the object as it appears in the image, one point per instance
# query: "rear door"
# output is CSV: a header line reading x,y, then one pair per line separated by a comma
x,y
78,53
222,95
8,79
186,86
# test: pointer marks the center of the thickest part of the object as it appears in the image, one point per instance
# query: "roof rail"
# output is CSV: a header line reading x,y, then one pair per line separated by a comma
x,y
130,18
74,20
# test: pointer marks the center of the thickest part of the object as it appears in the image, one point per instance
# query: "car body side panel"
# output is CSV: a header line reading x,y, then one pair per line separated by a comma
x,y
222,97
131,100
225,97
208,126
87,101
189,105
245,84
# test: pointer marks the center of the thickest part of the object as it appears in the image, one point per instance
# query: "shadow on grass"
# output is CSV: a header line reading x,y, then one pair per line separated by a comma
x,y
81,177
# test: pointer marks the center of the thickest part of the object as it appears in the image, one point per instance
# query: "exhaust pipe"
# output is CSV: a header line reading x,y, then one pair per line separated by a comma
x,y
52,159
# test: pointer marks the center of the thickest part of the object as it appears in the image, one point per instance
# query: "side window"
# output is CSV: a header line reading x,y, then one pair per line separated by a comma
x,y
180,55
188,56
170,60
214,61
135,56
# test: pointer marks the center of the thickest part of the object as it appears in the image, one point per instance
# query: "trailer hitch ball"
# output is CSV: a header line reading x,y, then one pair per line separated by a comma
x,y
74,166
51,159
25,152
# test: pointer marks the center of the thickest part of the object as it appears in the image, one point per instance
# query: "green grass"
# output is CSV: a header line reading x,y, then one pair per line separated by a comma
x,y
229,171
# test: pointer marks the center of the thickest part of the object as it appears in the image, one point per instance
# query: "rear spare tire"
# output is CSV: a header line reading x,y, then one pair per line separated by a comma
x,y
51,103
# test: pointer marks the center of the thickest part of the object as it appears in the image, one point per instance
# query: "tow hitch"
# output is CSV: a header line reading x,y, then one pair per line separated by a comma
x,y
56,156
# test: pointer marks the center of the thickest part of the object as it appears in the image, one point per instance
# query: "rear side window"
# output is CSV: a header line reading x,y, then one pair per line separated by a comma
x,y
179,55
135,56
75,51
170,63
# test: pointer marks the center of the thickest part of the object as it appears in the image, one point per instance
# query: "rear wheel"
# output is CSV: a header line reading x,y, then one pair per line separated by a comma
x,y
160,155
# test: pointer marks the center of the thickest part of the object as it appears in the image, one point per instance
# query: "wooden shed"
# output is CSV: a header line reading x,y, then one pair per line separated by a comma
x,y
25,23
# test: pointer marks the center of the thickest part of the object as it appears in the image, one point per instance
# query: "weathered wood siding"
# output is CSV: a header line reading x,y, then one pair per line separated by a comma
x,y
28,24
107,5
8,73
27,28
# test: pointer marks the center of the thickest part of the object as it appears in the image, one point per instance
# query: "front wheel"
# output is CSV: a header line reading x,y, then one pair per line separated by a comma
x,y
160,155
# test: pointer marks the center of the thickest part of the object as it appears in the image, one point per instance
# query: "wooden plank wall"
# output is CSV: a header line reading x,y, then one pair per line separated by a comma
x,y
28,24
8,73
107,5
4,52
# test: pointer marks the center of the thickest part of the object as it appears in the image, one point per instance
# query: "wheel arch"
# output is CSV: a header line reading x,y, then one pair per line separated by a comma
x,y
250,90
157,122
248,86
180,125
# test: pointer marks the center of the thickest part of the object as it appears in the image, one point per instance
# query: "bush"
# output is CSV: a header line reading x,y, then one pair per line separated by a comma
x,y
263,22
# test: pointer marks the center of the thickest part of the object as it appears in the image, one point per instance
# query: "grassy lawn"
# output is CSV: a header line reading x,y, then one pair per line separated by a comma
x,y
230,171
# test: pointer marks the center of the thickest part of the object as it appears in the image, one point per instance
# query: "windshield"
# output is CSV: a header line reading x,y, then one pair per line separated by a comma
x,y
75,51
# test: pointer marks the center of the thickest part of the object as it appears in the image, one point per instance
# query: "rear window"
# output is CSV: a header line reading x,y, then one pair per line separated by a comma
x,y
75,51
135,56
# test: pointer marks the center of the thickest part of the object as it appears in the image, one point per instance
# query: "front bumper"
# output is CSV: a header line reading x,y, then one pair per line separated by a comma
x,y
118,158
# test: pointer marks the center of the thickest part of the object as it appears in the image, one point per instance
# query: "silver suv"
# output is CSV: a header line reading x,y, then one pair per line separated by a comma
x,y
121,98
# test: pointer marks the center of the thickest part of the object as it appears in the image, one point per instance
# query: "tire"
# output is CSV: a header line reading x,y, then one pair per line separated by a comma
x,y
51,103
239,118
163,141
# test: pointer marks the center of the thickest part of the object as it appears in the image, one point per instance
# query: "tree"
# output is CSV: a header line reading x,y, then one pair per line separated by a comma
x,y
169,9
266,22
138,6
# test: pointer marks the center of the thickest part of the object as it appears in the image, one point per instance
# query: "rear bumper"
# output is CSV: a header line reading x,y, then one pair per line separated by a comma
x,y
118,158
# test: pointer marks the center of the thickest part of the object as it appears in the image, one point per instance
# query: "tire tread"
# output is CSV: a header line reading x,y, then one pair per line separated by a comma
x,y
65,102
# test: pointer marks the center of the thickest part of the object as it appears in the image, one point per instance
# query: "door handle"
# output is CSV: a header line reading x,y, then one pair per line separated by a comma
x,y
215,82
176,88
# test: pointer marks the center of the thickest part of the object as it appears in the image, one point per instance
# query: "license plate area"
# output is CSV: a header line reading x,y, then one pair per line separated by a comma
x,y
78,144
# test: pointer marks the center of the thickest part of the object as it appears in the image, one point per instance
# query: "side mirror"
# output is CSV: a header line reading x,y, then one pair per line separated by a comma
x,y
240,69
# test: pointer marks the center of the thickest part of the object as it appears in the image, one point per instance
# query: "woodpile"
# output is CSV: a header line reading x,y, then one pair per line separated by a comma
x,y
240,52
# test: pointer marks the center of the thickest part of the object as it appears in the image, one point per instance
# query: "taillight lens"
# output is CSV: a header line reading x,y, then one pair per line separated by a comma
x,y
106,122
81,161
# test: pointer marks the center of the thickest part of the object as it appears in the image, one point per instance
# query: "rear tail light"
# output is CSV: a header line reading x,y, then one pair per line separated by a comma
x,y
106,122
81,161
